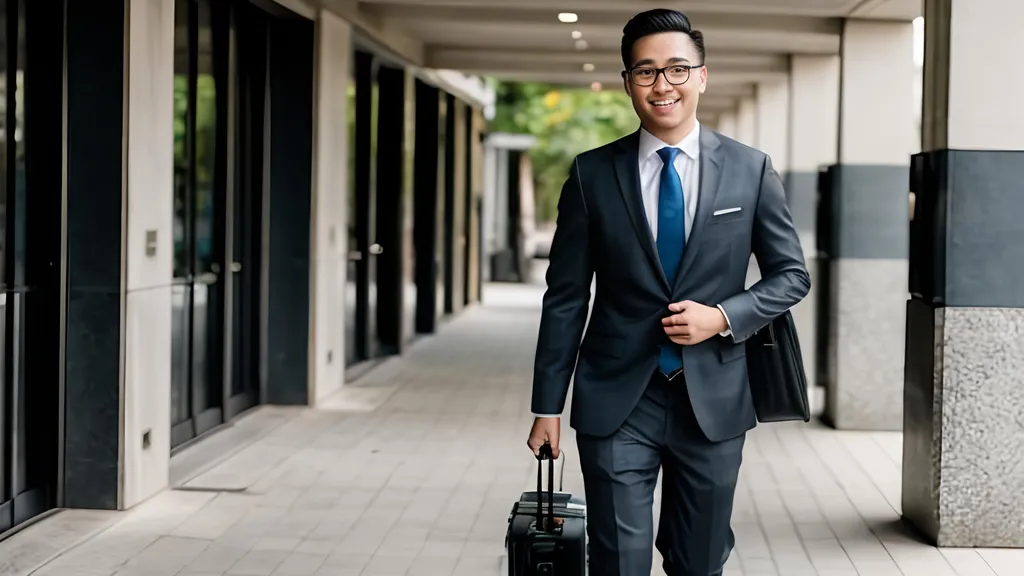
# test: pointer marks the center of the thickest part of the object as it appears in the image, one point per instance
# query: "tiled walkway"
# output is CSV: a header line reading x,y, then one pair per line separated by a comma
x,y
412,471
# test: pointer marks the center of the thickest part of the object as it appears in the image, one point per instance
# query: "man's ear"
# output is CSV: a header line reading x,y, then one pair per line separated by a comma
x,y
703,79
625,84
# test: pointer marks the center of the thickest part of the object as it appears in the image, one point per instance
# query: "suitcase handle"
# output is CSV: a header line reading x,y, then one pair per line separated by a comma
x,y
547,454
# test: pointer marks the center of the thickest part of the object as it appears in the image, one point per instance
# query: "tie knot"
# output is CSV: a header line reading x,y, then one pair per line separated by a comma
x,y
668,154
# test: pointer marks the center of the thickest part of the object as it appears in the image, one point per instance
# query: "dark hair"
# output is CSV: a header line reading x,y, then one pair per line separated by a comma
x,y
654,22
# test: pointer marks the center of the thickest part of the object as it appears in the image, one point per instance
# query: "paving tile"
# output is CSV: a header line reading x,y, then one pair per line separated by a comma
x,y
300,564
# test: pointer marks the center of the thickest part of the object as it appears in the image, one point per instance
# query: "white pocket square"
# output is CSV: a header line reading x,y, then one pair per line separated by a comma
x,y
726,211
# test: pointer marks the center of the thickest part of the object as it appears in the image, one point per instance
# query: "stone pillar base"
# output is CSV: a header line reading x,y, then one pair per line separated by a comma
x,y
963,429
864,238
865,340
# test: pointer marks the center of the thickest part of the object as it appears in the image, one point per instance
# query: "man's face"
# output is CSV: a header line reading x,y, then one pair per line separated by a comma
x,y
664,105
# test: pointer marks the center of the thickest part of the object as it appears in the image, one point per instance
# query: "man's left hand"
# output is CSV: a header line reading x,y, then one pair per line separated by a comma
x,y
692,323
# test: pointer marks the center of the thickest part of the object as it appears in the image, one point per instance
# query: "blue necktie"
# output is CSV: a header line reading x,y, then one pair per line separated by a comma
x,y
671,241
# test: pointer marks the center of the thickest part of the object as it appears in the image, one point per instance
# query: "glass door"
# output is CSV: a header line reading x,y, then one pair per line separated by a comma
x,y
31,58
221,59
361,314
199,218
353,346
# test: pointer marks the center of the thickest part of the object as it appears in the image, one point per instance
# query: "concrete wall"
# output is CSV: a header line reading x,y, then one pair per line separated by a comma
x,y
329,235
773,122
147,330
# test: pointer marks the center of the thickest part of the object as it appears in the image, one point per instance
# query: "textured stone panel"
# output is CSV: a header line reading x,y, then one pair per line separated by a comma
x,y
981,489
866,341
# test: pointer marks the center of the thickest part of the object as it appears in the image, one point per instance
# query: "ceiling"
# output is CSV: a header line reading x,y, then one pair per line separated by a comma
x,y
748,41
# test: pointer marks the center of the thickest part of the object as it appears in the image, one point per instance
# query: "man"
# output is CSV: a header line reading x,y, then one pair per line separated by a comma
x,y
666,218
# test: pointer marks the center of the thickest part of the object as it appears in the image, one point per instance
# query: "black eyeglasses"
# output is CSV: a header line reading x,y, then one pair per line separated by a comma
x,y
675,74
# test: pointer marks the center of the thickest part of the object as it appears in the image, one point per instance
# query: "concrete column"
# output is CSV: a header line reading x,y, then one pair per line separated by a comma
x,y
727,124
147,323
868,213
329,207
476,183
963,398
119,248
813,145
746,121
772,120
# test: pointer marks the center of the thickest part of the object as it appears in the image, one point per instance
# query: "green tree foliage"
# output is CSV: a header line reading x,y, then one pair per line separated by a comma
x,y
566,122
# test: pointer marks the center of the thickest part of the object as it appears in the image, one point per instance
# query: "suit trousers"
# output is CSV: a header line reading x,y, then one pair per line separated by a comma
x,y
699,480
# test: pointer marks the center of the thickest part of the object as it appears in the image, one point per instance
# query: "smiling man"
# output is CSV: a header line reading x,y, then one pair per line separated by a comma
x,y
667,219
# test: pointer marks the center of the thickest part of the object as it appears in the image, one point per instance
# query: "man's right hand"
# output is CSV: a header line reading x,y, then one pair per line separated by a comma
x,y
545,430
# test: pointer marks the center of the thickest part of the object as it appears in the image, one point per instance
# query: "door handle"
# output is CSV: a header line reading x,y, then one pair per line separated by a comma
x,y
207,278
355,255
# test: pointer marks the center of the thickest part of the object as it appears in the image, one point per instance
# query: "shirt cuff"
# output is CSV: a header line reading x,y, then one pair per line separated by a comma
x,y
547,415
728,331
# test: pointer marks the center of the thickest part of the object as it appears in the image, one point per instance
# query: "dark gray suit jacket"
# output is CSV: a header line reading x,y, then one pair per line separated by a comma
x,y
602,230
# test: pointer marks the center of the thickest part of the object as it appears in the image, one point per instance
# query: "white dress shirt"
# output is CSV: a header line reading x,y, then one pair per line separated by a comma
x,y
687,165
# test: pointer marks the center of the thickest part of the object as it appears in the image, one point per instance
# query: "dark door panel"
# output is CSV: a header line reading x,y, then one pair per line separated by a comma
x,y
364,249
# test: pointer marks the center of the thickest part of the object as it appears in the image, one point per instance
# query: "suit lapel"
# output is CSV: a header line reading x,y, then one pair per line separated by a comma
x,y
627,170
710,176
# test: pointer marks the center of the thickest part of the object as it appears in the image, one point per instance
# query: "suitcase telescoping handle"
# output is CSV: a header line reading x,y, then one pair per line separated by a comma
x,y
547,454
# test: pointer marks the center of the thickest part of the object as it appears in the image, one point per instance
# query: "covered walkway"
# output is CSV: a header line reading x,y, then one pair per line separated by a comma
x,y
413,468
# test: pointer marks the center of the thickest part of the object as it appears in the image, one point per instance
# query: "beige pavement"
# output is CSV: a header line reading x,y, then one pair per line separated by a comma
x,y
412,471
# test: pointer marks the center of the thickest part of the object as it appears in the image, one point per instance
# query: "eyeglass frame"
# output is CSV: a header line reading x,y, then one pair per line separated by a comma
x,y
661,72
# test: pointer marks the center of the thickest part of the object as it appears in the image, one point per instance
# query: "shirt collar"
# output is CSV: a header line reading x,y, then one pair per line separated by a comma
x,y
690,145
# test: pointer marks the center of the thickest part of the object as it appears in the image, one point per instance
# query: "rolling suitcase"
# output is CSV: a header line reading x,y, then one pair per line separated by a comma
x,y
547,538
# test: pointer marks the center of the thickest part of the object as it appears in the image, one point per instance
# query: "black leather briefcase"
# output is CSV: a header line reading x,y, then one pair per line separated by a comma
x,y
775,367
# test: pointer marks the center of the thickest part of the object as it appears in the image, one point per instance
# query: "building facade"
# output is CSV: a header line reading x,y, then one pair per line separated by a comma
x,y
210,205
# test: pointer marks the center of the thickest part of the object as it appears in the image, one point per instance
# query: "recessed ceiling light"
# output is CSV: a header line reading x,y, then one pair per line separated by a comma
x,y
576,34
568,17
581,45
588,67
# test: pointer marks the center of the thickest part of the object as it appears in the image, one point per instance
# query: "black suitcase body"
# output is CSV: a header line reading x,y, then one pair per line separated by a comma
x,y
547,532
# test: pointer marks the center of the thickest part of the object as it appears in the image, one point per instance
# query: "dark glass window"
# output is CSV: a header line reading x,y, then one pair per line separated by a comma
x,y
31,73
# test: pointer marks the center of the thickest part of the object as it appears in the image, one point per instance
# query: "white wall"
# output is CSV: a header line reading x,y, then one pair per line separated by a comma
x,y
727,124
984,80
814,124
746,121
329,235
147,363
773,122
878,124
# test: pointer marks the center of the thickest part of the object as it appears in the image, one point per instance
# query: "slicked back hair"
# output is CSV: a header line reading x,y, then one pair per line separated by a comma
x,y
655,22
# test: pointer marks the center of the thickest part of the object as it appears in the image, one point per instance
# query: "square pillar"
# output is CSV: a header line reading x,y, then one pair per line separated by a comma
x,y
868,227
813,145
772,120
120,241
964,381
746,121
329,250
727,124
